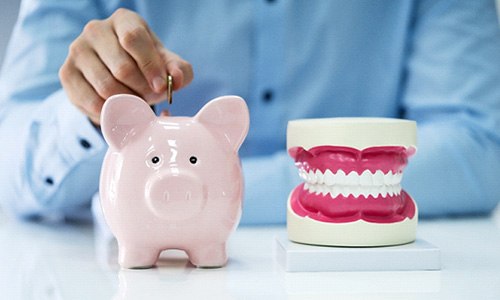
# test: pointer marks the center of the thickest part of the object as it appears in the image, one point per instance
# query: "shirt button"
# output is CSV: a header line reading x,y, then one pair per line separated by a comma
x,y
85,144
267,95
49,181
270,1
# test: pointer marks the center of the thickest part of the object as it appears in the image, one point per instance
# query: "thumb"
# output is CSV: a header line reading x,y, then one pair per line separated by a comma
x,y
180,69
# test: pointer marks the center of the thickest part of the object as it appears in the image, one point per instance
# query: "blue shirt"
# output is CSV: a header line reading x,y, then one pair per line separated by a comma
x,y
436,62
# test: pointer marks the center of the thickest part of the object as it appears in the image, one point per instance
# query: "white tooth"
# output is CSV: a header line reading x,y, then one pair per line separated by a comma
x,y
334,192
365,192
383,191
324,190
303,174
311,177
394,179
318,190
390,190
339,177
366,178
345,190
378,178
328,189
307,179
388,178
319,177
398,178
306,186
328,178
398,189
356,191
338,190
353,178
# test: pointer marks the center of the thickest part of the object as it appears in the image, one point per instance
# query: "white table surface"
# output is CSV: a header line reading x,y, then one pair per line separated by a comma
x,y
44,261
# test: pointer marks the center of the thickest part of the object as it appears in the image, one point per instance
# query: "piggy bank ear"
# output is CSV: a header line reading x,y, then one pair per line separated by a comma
x,y
123,117
228,116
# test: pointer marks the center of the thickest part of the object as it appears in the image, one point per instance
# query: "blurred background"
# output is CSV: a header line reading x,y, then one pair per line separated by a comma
x,y
8,15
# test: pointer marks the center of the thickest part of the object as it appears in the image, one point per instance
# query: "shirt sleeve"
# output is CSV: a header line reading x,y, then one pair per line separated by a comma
x,y
451,88
268,182
452,91
51,154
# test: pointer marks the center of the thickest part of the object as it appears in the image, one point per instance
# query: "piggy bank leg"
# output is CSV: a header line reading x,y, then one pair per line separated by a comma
x,y
208,255
133,257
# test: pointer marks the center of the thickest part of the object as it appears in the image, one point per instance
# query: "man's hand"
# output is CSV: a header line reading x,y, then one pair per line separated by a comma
x,y
119,55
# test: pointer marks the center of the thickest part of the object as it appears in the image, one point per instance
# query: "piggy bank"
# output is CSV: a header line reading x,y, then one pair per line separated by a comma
x,y
172,182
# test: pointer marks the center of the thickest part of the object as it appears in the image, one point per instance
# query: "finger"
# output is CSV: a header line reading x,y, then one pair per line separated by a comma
x,y
133,35
181,70
182,75
99,77
81,93
119,63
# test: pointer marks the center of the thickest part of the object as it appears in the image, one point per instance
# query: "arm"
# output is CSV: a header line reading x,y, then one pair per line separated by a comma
x,y
51,164
268,181
50,152
453,92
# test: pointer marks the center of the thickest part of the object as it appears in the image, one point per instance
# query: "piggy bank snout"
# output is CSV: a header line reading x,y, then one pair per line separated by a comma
x,y
176,197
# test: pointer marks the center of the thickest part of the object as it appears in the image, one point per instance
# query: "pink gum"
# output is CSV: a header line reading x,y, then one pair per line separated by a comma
x,y
334,158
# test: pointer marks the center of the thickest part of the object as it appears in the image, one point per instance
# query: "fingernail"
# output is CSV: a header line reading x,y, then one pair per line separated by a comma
x,y
158,83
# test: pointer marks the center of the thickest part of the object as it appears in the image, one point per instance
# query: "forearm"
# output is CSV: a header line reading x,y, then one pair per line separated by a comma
x,y
455,170
452,92
51,154
268,181
50,164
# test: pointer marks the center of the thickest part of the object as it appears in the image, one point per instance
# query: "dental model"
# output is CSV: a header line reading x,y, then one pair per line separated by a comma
x,y
352,195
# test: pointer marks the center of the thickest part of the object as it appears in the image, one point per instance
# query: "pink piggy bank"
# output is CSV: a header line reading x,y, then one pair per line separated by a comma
x,y
172,182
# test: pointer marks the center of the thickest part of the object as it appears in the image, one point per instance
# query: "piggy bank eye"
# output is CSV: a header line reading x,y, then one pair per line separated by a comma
x,y
155,160
193,160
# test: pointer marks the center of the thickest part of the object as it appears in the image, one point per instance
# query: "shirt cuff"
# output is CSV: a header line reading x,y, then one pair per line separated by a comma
x,y
65,155
83,139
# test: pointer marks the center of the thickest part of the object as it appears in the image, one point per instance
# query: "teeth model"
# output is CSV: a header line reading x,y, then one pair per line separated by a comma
x,y
352,170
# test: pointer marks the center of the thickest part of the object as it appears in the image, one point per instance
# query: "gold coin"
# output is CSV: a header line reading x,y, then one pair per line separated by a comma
x,y
170,88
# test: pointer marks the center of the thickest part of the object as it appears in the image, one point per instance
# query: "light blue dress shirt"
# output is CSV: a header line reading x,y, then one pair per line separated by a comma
x,y
436,62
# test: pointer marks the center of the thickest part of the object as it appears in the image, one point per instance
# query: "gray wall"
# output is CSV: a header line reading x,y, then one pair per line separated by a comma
x,y
8,16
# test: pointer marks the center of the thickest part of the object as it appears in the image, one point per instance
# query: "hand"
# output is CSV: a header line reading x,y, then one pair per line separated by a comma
x,y
119,55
